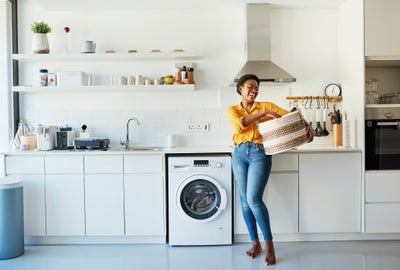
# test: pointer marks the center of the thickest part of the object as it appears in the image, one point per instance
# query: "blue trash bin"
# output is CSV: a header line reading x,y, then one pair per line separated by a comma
x,y
11,218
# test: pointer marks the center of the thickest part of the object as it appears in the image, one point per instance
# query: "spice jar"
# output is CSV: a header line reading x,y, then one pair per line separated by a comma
x,y
190,76
44,73
178,75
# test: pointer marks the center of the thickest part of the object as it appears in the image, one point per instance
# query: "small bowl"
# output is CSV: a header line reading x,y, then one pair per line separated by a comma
x,y
169,80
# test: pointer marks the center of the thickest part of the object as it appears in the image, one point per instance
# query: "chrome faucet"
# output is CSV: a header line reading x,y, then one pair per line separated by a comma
x,y
126,143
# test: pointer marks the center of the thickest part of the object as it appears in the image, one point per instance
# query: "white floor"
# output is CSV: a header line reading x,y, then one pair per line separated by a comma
x,y
346,255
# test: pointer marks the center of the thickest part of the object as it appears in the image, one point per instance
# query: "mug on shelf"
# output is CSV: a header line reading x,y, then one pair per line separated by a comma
x,y
88,46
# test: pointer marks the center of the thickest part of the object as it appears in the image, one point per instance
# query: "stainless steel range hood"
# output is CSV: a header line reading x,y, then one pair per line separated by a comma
x,y
258,35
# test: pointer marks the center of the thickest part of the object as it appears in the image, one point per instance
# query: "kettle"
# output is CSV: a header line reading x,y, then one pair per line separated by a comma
x,y
46,137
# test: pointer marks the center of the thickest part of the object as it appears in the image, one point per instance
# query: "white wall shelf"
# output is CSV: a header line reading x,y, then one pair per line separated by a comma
x,y
139,56
382,106
105,88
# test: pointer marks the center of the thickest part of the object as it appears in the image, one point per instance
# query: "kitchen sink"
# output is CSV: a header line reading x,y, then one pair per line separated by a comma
x,y
145,148
137,148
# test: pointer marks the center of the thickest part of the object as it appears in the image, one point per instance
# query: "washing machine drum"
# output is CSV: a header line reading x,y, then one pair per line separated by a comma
x,y
201,198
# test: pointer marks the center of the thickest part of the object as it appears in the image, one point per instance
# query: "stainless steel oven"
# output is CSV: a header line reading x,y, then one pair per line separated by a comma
x,y
382,139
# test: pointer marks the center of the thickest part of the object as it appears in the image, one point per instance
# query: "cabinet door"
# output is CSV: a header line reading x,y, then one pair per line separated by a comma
x,y
382,218
382,197
64,164
103,164
104,204
144,204
381,27
281,200
31,170
34,205
150,163
25,164
383,186
65,209
330,192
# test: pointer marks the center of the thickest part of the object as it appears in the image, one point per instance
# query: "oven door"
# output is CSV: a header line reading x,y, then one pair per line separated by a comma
x,y
382,144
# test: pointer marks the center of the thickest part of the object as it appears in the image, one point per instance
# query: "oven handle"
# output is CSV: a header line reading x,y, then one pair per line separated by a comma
x,y
396,124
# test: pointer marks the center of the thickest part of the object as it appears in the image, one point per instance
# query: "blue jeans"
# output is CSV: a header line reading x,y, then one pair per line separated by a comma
x,y
251,169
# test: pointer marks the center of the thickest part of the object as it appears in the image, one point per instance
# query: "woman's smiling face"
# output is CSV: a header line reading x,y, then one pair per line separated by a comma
x,y
249,90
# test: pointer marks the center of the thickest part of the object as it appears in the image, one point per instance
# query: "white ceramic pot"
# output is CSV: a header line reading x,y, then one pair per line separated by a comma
x,y
40,43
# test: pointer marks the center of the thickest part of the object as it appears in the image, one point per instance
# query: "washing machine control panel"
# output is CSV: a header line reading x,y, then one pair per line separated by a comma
x,y
207,163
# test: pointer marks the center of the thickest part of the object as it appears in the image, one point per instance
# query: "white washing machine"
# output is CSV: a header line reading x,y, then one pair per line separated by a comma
x,y
200,200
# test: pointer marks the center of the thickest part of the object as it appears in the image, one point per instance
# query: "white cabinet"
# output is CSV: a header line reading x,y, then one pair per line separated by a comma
x,y
65,210
31,170
382,198
329,192
382,24
104,204
144,195
280,196
104,195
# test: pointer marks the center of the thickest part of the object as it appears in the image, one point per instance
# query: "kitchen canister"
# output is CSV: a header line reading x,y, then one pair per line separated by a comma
x,y
337,134
284,133
171,141
28,142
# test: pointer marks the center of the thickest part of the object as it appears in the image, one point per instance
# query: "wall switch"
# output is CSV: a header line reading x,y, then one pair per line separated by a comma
x,y
198,127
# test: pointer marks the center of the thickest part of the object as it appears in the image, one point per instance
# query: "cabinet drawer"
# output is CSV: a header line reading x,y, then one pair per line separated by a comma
x,y
382,218
24,164
143,163
104,164
63,164
382,187
285,162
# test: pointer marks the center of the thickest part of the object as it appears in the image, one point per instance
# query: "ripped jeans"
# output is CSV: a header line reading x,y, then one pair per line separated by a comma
x,y
251,169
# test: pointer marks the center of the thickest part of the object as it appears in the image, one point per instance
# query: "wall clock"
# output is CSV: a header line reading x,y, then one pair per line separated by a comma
x,y
333,89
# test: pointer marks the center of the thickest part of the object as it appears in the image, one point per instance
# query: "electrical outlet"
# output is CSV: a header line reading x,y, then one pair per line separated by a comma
x,y
198,127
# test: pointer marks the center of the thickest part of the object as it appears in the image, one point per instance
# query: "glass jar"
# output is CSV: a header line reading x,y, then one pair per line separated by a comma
x,y
372,97
43,76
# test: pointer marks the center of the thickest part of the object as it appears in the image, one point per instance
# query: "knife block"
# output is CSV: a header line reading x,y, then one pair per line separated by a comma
x,y
337,134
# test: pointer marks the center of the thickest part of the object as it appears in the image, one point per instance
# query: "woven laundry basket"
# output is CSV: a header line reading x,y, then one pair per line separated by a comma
x,y
284,133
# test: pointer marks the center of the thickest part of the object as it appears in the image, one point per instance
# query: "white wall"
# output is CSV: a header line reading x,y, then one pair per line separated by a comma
x,y
351,65
304,41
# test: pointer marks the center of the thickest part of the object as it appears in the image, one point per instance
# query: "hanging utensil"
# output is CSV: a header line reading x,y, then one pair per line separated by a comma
x,y
325,132
318,129
310,111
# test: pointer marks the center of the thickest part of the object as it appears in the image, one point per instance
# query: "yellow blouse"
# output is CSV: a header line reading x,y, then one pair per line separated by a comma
x,y
242,134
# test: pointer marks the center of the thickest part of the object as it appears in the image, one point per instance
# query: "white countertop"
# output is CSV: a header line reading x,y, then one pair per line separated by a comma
x,y
210,149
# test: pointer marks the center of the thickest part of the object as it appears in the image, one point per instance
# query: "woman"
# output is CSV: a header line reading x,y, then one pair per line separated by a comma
x,y
250,166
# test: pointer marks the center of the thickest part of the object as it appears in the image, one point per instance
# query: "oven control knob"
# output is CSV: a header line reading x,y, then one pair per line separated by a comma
x,y
218,164
389,115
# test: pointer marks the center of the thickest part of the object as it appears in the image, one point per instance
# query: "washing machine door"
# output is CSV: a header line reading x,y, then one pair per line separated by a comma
x,y
200,198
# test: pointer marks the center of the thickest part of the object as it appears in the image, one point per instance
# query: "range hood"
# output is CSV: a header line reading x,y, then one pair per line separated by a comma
x,y
258,35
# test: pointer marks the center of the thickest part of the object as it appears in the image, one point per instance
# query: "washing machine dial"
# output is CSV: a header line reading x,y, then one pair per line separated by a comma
x,y
218,164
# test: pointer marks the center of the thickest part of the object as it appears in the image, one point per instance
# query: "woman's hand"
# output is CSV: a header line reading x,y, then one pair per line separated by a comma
x,y
271,114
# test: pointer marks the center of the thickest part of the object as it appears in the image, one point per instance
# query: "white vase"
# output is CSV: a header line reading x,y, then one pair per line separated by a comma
x,y
40,43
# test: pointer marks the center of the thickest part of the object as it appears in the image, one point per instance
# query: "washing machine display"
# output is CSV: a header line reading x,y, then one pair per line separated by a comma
x,y
199,200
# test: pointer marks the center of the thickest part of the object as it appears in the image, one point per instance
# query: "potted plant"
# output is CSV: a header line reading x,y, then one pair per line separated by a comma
x,y
40,41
